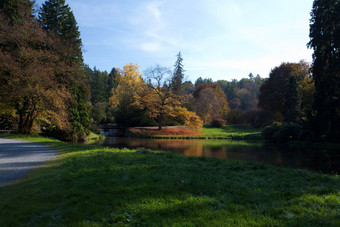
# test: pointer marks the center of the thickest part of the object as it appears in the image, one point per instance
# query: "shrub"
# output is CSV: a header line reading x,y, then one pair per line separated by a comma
x,y
288,132
270,131
218,123
188,118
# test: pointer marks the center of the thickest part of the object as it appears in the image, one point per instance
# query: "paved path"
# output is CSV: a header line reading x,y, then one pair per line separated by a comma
x,y
17,157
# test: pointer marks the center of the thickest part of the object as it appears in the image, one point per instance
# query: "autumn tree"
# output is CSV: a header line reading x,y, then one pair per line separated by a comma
x,y
159,98
160,101
125,97
210,102
57,19
29,88
325,41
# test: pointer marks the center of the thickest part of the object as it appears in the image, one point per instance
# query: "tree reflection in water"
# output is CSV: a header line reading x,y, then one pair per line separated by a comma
x,y
324,160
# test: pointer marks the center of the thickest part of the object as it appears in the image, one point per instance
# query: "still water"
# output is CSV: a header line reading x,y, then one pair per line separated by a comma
x,y
321,160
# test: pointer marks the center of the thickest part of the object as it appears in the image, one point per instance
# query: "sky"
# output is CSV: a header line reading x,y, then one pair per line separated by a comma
x,y
218,39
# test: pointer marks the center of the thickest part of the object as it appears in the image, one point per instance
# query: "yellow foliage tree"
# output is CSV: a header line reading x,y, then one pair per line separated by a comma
x,y
160,101
125,97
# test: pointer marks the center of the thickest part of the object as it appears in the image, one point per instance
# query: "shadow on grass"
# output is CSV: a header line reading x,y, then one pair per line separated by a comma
x,y
95,185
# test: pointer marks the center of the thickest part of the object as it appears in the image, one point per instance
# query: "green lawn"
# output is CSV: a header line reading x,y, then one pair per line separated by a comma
x,y
233,132
96,186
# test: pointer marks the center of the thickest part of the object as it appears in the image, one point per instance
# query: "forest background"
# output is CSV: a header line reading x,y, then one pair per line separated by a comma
x,y
47,88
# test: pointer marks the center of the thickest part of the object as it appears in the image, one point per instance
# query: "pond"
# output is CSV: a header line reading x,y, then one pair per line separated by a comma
x,y
322,160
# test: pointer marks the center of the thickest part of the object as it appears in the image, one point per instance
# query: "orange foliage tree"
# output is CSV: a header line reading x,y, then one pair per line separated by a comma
x,y
160,101
210,102
29,88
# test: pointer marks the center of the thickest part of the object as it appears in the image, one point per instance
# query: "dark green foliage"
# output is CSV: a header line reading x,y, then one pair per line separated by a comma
x,y
218,123
200,81
292,104
132,116
57,19
178,74
111,83
287,132
188,87
269,131
273,91
80,118
6,121
325,41
282,133
258,118
99,112
52,131
101,84
17,11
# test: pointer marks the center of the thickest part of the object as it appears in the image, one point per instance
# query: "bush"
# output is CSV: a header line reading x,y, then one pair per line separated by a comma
x,y
270,131
282,133
218,123
288,132
53,131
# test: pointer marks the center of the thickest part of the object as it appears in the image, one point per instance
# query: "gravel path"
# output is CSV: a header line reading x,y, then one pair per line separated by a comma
x,y
18,157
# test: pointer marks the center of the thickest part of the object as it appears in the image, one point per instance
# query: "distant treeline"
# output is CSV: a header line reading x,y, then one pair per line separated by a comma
x,y
45,87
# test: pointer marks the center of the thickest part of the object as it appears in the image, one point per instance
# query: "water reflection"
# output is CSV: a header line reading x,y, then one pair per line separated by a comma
x,y
324,160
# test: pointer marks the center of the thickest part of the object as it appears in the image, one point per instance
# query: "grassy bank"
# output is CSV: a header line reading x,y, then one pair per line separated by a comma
x,y
89,185
240,132
235,132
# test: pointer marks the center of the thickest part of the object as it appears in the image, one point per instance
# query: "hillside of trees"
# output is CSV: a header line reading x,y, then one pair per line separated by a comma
x,y
47,88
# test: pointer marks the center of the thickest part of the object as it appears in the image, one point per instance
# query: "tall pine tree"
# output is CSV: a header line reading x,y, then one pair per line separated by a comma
x,y
178,74
325,41
57,19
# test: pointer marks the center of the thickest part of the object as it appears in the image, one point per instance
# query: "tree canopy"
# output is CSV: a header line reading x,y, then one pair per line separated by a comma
x,y
325,41
273,91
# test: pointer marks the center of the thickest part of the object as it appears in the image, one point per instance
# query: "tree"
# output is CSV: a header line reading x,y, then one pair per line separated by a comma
x,y
125,97
203,81
273,90
17,11
161,103
210,102
111,81
29,88
159,99
178,74
325,41
57,19
292,102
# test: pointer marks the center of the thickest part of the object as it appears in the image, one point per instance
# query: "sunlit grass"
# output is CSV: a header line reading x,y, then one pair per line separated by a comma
x,y
233,132
90,185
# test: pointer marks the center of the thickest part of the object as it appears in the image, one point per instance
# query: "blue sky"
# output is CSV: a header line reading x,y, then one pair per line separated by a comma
x,y
219,39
